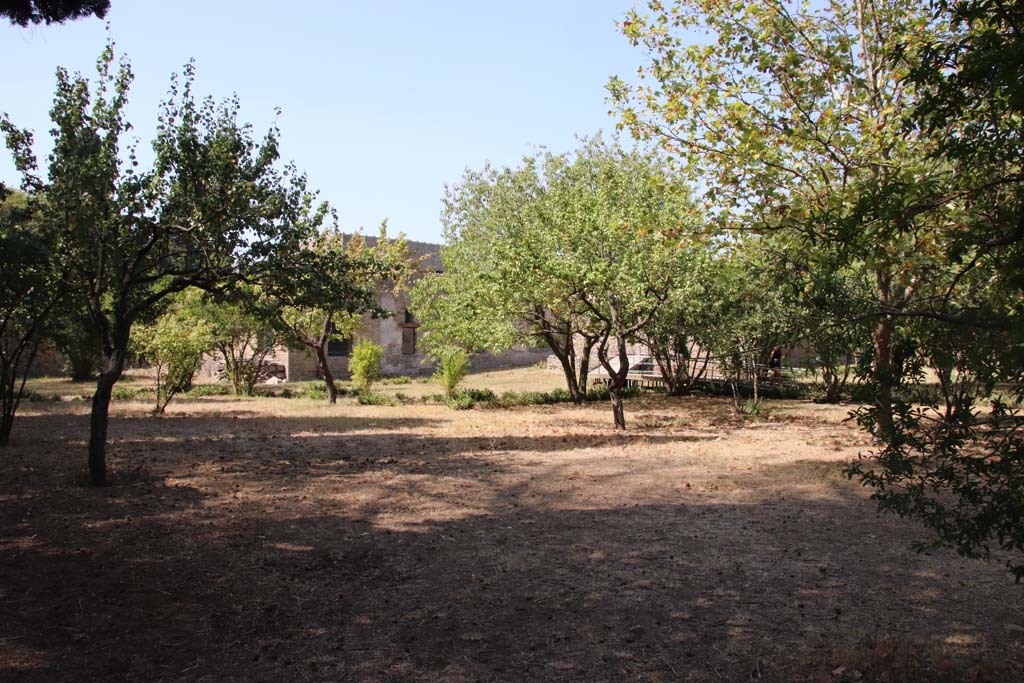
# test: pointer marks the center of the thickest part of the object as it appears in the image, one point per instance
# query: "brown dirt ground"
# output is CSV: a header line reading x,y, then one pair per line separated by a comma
x,y
276,540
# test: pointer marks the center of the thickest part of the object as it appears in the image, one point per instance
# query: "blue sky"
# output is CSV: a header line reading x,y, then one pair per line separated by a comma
x,y
382,103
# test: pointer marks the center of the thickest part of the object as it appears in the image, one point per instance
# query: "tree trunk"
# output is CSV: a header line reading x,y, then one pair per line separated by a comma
x,y
565,358
884,377
325,371
100,417
584,372
757,383
618,411
13,385
9,402
101,406
6,423
569,369
616,377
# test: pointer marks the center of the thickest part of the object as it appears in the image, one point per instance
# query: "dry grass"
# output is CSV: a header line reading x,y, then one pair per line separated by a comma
x,y
268,539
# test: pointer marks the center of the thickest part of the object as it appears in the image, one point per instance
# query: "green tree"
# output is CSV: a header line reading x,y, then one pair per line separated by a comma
x,y
498,286
174,345
615,247
674,334
215,207
244,336
886,136
956,467
25,12
72,332
338,286
365,364
454,366
32,284
550,251
791,116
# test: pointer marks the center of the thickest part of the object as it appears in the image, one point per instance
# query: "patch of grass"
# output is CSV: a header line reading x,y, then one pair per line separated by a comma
x,y
201,390
755,409
133,394
313,390
40,397
401,379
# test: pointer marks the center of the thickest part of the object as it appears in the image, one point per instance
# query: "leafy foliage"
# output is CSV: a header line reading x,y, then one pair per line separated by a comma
x,y
32,284
577,250
243,336
338,285
25,12
365,364
213,209
174,344
879,145
454,366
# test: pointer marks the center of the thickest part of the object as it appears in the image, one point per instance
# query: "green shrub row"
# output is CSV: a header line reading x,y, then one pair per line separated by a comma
x,y
468,398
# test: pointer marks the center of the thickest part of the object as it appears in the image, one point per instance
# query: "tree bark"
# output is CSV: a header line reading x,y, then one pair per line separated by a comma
x,y
6,423
566,357
618,411
99,418
616,377
9,402
325,371
584,369
884,377
757,382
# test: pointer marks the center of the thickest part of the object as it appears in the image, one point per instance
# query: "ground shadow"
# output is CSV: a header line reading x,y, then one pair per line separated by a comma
x,y
147,581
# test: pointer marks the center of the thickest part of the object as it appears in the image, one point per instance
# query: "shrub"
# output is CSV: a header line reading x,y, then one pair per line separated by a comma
x,y
368,399
460,401
401,379
755,409
454,368
365,365
174,345
479,395
200,390
316,391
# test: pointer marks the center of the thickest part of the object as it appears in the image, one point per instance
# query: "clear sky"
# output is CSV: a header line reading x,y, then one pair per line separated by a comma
x,y
382,102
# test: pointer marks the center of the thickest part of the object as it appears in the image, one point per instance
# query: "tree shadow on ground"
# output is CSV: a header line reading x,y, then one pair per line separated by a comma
x,y
166,578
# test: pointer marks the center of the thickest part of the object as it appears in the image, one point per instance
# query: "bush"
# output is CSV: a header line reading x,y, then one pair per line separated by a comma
x,y
368,399
365,365
454,368
755,409
479,395
401,379
460,401
174,345
316,391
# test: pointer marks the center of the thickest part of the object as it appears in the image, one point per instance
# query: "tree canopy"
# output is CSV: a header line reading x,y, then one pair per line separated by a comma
x,y
25,12
878,143
215,207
